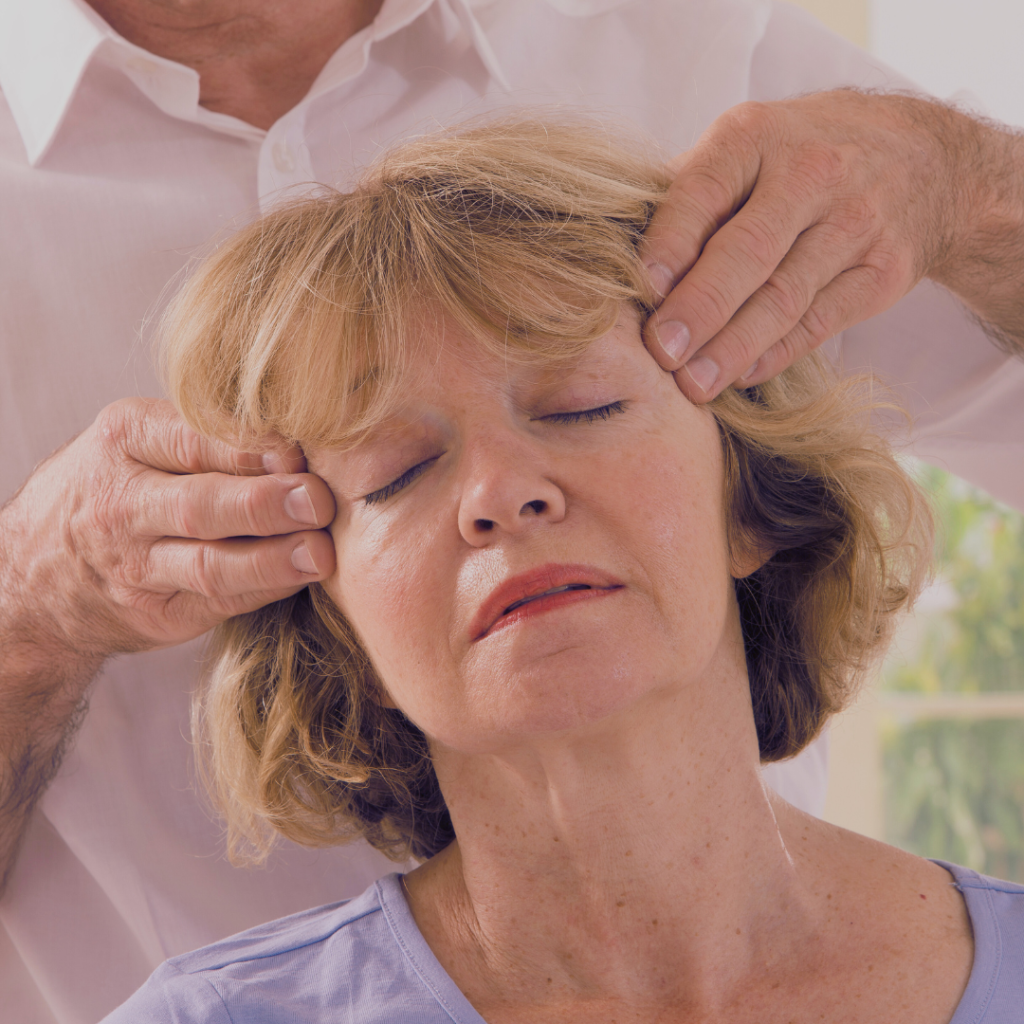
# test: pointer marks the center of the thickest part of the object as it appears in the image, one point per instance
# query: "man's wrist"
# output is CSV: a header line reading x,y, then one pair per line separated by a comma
x,y
983,259
37,650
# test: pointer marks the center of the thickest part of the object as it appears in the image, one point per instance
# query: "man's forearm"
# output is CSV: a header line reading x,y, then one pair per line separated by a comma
x,y
95,560
39,717
43,684
984,259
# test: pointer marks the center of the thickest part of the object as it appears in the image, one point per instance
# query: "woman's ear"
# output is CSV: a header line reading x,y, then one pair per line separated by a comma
x,y
746,556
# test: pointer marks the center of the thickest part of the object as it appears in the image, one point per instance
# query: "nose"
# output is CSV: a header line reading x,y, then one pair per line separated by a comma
x,y
506,490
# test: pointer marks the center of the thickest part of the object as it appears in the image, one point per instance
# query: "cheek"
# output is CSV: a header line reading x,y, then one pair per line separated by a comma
x,y
672,484
673,515
391,586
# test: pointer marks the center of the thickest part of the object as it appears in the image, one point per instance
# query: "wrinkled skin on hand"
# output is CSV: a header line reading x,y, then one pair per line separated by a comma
x,y
790,221
139,533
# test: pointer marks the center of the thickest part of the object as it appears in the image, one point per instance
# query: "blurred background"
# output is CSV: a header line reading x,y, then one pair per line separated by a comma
x,y
932,756
949,47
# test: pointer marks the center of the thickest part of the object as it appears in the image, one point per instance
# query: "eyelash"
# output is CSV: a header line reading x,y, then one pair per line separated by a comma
x,y
376,497
602,412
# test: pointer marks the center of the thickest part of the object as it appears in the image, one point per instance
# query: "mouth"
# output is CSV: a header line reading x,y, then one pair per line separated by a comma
x,y
538,591
547,593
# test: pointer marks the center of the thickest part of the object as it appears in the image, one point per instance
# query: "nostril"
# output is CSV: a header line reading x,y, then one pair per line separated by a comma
x,y
483,525
536,507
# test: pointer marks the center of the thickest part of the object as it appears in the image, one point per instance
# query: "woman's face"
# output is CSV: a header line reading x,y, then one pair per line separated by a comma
x,y
523,550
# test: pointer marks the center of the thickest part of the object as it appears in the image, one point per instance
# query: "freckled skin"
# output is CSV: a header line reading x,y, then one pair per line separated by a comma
x,y
641,872
482,420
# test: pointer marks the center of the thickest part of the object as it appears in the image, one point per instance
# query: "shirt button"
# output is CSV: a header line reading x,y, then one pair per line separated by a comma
x,y
283,157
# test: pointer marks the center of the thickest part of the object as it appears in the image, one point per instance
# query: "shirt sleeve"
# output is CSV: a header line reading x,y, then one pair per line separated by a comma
x,y
173,997
797,54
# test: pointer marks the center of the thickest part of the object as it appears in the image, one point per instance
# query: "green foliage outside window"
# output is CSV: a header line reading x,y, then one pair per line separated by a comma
x,y
955,788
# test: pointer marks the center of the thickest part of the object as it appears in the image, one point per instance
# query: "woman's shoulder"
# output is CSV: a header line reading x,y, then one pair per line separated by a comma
x,y
995,990
343,961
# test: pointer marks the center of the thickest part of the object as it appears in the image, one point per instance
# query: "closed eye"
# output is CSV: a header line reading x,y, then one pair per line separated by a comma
x,y
602,412
376,497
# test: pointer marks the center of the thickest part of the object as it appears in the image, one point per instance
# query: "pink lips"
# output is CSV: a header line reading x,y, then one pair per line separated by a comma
x,y
539,590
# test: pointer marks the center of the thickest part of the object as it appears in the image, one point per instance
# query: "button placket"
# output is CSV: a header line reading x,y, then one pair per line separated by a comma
x,y
284,163
284,158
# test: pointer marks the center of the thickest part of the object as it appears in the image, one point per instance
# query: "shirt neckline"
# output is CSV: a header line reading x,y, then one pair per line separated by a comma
x,y
976,890
46,46
419,955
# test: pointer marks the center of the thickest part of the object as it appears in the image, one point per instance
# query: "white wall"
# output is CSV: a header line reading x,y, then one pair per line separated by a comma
x,y
952,45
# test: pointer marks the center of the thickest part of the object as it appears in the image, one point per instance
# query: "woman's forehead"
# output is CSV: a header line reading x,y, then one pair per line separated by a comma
x,y
436,361
451,359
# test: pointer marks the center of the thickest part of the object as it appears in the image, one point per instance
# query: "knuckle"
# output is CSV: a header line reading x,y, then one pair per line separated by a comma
x,y
889,263
761,240
262,567
785,299
745,349
819,166
184,446
105,516
855,217
750,120
751,128
132,573
254,510
207,572
702,192
819,323
115,424
182,508
787,350
736,348
708,303
689,215
223,571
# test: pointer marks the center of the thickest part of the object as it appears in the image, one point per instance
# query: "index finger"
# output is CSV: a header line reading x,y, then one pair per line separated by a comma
x,y
711,183
740,258
153,433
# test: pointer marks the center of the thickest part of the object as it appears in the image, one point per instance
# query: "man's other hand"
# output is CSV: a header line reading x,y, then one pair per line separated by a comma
x,y
139,533
790,221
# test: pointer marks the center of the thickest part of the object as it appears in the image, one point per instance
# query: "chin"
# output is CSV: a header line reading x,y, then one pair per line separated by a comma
x,y
570,688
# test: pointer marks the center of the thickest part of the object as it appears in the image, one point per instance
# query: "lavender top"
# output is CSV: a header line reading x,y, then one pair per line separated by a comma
x,y
365,962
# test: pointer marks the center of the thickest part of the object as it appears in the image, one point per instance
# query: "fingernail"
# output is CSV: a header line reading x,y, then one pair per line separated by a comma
x,y
703,372
303,560
674,338
749,371
299,505
661,278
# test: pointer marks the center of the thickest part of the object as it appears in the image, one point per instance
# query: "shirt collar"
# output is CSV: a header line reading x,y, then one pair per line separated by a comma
x,y
47,45
44,48
395,15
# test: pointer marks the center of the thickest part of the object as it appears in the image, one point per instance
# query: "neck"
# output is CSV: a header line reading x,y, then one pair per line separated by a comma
x,y
256,59
645,849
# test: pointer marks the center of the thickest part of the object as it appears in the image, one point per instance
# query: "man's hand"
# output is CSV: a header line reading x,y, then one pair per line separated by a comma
x,y
137,534
141,534
789,221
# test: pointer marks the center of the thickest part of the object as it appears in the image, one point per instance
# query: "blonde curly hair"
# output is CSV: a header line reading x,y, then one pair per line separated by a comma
x,y
525,231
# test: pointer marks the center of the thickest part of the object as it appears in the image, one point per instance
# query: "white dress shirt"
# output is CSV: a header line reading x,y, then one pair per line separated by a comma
x,y
112,177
